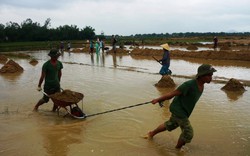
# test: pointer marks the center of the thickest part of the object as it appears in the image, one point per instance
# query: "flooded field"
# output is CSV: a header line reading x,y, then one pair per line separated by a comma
x,y
220,120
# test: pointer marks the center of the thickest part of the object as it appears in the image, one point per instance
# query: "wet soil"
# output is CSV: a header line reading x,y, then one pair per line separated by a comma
x,y
215,55
68,96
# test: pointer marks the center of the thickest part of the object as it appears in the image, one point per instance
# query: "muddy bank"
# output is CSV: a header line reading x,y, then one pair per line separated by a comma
x,y
19,55
107,50
215,55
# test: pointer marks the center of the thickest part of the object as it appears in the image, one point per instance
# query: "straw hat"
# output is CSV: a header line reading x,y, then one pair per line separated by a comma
x,y
165,46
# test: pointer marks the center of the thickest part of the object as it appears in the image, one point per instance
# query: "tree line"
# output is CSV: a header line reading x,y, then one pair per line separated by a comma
x,y
33,31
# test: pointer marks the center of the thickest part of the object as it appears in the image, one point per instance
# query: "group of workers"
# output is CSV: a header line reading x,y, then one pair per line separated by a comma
x,y
184,97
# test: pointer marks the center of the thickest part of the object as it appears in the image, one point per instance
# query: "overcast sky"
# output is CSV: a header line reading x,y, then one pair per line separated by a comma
x,y
129,17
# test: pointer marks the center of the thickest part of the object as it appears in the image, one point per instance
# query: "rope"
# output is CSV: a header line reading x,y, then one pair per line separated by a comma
x,y
117,109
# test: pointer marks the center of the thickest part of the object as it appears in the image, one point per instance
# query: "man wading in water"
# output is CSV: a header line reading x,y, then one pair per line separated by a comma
x,y
185,98
51,72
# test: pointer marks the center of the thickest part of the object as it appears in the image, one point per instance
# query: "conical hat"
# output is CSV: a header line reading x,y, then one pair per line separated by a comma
x,y
165,46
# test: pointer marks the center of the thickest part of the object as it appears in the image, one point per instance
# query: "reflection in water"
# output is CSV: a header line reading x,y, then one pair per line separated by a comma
x,y
58,138
92,59
11,76
114,60
234,95
103,59
97,58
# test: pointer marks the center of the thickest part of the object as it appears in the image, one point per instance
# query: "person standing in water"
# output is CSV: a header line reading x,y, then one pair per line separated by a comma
x,y
51,72
114,43
165,61
97,46
102,45
185,99
91,47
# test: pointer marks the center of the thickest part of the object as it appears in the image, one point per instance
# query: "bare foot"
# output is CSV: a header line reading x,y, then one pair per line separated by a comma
x,y
35,109
148,136
180,143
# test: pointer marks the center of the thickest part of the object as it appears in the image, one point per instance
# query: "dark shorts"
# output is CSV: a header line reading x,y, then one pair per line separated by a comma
x,y
49,92
186,128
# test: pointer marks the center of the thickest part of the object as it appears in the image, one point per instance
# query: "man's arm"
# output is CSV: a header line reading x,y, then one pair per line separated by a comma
x,y
59,75
41,79
166,96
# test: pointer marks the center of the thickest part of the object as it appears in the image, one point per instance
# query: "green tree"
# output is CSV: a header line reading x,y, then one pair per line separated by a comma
x,y
30,31
12,30
2,33
47,23
67,32
87,33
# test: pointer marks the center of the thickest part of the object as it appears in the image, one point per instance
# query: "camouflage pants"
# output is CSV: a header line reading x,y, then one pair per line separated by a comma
x,y
186,128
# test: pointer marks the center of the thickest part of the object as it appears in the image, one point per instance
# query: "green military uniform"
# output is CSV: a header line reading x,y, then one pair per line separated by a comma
x,y
52,83
182,107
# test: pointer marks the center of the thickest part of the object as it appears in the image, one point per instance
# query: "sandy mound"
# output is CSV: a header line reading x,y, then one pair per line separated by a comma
x,y
165,82
11,67
3,58
68,96
233,85
33,61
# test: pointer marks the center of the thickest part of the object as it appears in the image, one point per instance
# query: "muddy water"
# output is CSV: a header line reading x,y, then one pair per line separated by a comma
x,y
220,119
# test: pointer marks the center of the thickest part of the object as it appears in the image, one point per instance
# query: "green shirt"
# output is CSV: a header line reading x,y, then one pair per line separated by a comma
x,y
183,105
51,74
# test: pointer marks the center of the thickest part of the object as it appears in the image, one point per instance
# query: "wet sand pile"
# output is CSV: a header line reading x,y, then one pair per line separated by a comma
x,y
3,58
33,61
233,85
11,67
165,82
68,96
192,47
